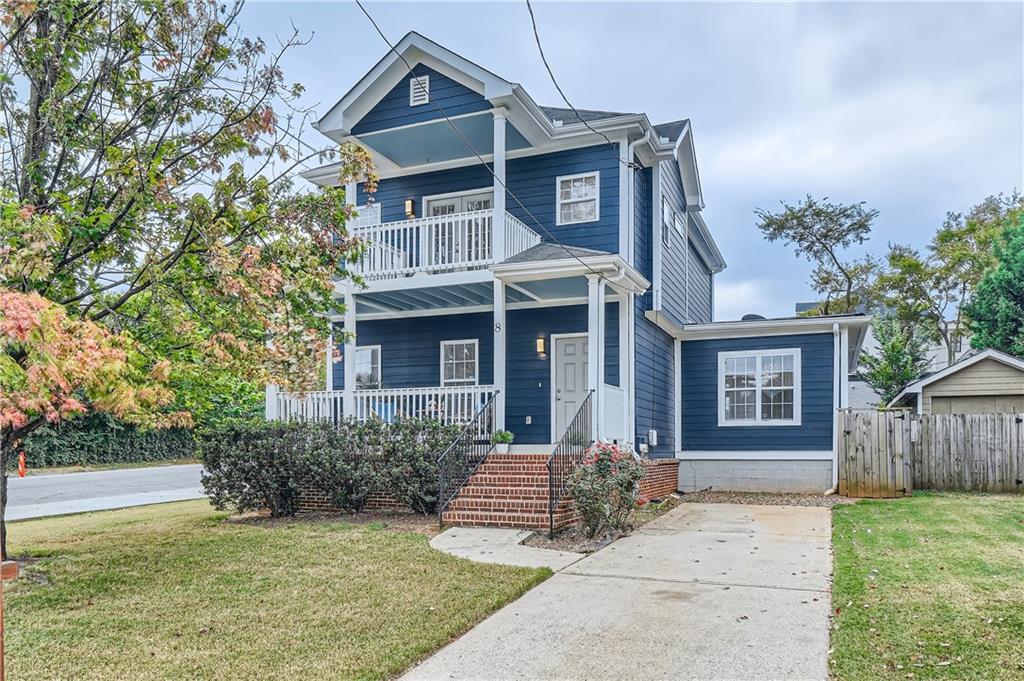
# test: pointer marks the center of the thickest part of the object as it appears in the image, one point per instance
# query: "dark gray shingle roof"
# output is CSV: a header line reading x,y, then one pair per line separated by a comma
x,y
548,251
672,129
567,116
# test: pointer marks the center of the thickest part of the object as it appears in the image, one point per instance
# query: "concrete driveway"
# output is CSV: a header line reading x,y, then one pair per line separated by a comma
x,y
707,591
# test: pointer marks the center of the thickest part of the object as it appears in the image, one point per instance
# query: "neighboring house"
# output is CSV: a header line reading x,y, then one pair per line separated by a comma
x,y
594,271
986,382
862,395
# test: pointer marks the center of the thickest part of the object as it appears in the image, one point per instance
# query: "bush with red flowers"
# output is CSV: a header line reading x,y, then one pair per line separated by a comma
x,y
606,489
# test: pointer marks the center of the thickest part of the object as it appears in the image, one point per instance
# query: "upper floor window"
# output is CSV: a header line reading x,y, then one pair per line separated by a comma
x,y
368,367
680,223
459,362
419,90
759,388
577,199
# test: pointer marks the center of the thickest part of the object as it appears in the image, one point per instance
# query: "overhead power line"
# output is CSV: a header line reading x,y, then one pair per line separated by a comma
x,y
543,58
476,153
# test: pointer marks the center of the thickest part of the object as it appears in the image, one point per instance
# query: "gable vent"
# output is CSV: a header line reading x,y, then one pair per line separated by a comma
x,y
419,90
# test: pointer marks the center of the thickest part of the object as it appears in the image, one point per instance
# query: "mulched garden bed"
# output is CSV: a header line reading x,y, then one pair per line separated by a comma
x,y
764,499
572,538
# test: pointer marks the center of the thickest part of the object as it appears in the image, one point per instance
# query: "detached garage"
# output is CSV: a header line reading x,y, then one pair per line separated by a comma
x,y
989,382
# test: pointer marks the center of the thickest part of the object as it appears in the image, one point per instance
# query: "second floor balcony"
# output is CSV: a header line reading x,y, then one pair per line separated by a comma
x,y
437,243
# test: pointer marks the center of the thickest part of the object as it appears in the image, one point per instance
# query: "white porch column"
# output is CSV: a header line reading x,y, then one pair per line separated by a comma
x,y
499,353
625,319
349,397
595,347
498,237
677,388
329,356
270,405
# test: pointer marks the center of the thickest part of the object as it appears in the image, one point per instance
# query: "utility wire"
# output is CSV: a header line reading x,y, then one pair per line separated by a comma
x,y
543,58
476,153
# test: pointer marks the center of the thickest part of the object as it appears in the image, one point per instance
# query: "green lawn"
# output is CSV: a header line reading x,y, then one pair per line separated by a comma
x,y
929,587
176,591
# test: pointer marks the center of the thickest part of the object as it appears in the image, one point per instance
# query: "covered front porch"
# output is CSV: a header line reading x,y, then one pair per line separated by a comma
x,y
520,334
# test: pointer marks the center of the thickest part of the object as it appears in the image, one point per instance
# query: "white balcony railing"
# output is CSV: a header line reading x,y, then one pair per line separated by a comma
x,y
455,404
439,243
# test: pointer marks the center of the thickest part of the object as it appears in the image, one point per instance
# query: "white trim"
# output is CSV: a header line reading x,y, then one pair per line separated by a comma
x,y
623,277
380,363
476,361
677,390
837,363
754,455
625,205
596,174
656,240
451,195
991,353
552,355
757,421
499,350
766,327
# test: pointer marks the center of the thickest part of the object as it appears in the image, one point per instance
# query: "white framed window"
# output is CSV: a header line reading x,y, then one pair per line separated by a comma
x,y
419,90
759,388
368,367
460,362
577,198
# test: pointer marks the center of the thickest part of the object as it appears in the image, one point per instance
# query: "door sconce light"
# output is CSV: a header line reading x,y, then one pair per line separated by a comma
x,y
540,347
410,209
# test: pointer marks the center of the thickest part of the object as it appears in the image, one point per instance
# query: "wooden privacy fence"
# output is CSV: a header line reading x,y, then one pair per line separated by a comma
x,y
889,453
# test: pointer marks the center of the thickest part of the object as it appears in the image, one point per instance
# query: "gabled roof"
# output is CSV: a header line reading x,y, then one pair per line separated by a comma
x,y
557,113
964,362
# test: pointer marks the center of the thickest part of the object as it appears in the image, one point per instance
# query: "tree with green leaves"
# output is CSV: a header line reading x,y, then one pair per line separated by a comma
x,y
996,311
928,291
147,208
822,232
901,358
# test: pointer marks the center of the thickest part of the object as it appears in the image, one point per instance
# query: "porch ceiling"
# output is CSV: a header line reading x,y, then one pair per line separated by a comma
x,y
436,141
433,298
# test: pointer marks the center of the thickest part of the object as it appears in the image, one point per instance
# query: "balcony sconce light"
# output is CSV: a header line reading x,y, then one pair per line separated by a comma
x,y
540,347
410,209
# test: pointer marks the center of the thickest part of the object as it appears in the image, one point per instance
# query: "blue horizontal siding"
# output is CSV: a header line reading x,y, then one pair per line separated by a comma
x,y
393,110
700,397
411,348
700,288
532,180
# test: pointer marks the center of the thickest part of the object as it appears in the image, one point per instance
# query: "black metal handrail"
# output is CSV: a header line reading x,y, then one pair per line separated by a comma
x,y
465,454
568,454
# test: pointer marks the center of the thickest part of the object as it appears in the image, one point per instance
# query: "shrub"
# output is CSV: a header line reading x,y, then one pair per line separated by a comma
x,y
254,467
266,466
606,489
100,439
502,437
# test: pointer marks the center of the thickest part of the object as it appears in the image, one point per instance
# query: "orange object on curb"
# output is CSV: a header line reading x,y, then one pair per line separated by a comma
x,y
21,465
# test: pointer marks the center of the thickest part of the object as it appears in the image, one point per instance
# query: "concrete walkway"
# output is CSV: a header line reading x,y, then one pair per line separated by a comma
x,y
37,496
707,591
495,545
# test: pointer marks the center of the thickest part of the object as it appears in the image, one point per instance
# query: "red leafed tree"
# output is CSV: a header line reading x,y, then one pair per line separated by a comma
x,y
151,233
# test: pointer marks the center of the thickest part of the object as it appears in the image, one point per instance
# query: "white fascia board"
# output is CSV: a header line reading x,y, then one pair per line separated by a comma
x,y
418,280
770,327
571,267
687,158
391,69
665,323
713,259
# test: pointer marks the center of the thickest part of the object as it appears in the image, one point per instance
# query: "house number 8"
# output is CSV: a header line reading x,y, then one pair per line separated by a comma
x,y
497,327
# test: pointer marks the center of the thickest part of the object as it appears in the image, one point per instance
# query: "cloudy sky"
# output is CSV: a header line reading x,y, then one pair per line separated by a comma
x,y
914,108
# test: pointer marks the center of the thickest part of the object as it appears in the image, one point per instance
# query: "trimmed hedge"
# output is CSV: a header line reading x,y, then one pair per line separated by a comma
x,y
264,466
98,439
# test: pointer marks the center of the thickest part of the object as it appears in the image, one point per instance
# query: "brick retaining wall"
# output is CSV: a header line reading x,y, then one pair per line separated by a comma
x,y
662,478
313,501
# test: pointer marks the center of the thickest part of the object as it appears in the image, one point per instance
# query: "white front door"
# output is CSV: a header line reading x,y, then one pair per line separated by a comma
x,y
570,379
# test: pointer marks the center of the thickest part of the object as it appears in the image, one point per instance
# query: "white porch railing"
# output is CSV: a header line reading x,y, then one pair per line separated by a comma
x,y
439,243
448,404
613,425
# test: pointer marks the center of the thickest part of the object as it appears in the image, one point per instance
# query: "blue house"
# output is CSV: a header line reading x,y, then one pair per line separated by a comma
x,y
519,254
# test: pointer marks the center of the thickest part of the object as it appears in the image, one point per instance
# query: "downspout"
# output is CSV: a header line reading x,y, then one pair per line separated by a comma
x,y
836,386
631,259
631,197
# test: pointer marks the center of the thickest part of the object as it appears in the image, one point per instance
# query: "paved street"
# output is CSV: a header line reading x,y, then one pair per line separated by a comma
x,y
37,496
707,591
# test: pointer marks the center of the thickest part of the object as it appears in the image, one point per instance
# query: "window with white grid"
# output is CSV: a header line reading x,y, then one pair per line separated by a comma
x,y
577,198
759,388
459,362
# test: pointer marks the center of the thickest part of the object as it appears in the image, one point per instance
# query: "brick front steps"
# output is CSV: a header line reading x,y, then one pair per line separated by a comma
x,y
508,490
